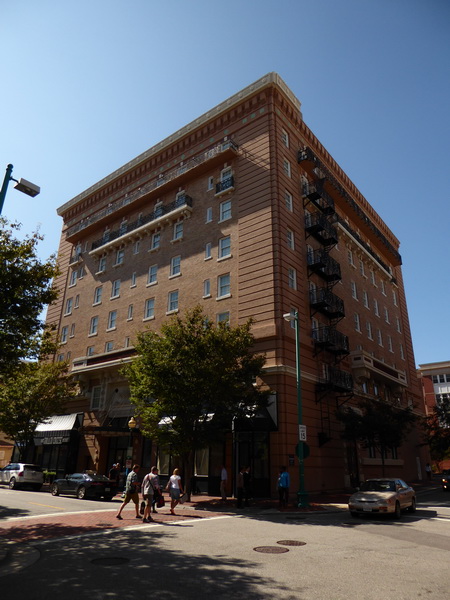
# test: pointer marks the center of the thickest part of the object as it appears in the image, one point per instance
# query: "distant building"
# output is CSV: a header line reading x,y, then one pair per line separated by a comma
x,y
244,212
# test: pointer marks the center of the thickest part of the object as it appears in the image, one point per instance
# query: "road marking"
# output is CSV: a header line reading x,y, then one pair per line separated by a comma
x,y
47,505
66,514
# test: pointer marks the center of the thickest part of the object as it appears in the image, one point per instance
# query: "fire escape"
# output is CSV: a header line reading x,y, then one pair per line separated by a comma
x,y
330,344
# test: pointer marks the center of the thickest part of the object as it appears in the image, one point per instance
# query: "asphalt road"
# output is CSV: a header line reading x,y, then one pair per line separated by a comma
x,y
339,558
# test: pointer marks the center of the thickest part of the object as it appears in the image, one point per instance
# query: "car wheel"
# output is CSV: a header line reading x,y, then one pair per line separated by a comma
x,y
12,484
108,498
412,508
354,514
81,492
55,490
397,512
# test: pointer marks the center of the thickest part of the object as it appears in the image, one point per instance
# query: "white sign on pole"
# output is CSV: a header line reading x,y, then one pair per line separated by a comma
x,y
302,433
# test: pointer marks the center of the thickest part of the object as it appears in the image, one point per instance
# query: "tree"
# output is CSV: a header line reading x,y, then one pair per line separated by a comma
x,y
189,382
377,424
437,431
26,288
31,394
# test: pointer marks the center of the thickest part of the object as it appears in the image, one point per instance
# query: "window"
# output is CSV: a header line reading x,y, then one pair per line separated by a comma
x,y
394,297
210,183
361,268
115,289
109,346
152,275
354,290
290,239
399,327
288,201
350,258
72,330
81,273
225,247
123,227
96,397
90,351
127,342
149,308
285,138
402,353
223,285
120,254
223,317
175,266
225,211
206,288
386,315
372,278
379,337
112,318
69,304
369,330
64,334
292,278
209,215
375,307
390,343
130,312
158,210
357,322
178,231
136,247
156,241
287,167
172,304
133,279
365,299
101,264
383,289
73,278
98,295
93,326
77,301
208,251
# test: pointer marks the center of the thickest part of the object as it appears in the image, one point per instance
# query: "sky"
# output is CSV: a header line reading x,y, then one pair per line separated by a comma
x,y
89,85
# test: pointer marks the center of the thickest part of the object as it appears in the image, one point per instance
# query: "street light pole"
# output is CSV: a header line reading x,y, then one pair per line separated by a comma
x,y
22,185
302,494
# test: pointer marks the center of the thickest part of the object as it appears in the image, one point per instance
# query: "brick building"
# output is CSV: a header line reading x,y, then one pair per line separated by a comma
x,y
244,212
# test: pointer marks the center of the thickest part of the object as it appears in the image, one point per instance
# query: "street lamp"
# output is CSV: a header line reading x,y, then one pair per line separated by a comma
x,y
22,185
302,495
132,424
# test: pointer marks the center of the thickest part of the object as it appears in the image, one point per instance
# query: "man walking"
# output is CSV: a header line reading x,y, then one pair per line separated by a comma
x,y
131,492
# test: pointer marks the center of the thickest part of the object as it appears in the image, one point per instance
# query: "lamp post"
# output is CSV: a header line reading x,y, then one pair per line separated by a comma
x,y
22,185
302,495
131,426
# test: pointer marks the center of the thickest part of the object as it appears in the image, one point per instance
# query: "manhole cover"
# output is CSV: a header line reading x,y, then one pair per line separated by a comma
x,y
110,561
291,543
270,549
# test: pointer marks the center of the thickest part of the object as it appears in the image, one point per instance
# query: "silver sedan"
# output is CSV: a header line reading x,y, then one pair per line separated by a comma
x,y
382,496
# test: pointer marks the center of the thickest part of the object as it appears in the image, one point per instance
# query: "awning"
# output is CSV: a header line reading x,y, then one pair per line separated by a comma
x,y
60,423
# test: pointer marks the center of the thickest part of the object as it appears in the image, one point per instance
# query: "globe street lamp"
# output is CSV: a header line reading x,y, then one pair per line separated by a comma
x,y
22,185
302,495
132,424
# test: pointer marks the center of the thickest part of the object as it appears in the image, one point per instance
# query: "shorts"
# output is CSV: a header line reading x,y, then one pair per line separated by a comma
x,y
134,496
175,493
148,498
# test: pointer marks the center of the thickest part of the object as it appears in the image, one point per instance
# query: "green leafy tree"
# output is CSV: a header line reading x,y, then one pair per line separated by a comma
x,y
437,431
189,381
377,424
31,394
26,288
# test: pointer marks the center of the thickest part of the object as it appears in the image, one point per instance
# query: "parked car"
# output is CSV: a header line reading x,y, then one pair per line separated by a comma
x,y
18,475
85,485
445,481
382,496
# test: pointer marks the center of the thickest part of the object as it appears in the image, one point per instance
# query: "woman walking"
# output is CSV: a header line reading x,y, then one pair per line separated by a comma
x,y
175,489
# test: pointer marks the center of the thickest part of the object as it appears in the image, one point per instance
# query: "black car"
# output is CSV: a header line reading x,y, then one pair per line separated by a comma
x,y
85,485
445,481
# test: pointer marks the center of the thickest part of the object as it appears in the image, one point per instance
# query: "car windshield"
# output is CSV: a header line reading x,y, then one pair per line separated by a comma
x,y
32,468
96,477
375,485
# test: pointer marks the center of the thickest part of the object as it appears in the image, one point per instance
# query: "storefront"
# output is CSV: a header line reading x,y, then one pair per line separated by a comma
x,y
56,443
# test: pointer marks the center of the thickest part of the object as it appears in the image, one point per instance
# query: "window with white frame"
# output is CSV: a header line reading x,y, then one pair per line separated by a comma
x,y
130,312
288,201
290,239
73,278
285,138
225,247
375,307
77,301
133,279
209,214
72,330
223,285
152,275
90,350
357,322
210,183
379,337
120,255
64,334
399,325
112,318
365,299
81,273
115,289
292,278
287,167
172,302
109,346
223,317
156,241
361,268
354,290
178,231
369,330
394,297
350,258
98,294
175,266
127,342
390,347
149,308
402,353
69,305
383,289
101,264
208,247
386,315
93,326
372,278
136,247
96,397
225,211
206,288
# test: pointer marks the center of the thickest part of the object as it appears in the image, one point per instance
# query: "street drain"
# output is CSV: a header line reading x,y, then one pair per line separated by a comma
x,y
291,543
110,561
270,549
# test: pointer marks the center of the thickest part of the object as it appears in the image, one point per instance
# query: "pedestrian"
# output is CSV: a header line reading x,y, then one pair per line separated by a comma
x,y
131,492
223,482
175,489
240,487
154,475
284,482
247,484
428,471
147,497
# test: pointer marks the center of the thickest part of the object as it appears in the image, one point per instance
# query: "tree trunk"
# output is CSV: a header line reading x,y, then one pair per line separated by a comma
x,y
188,472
